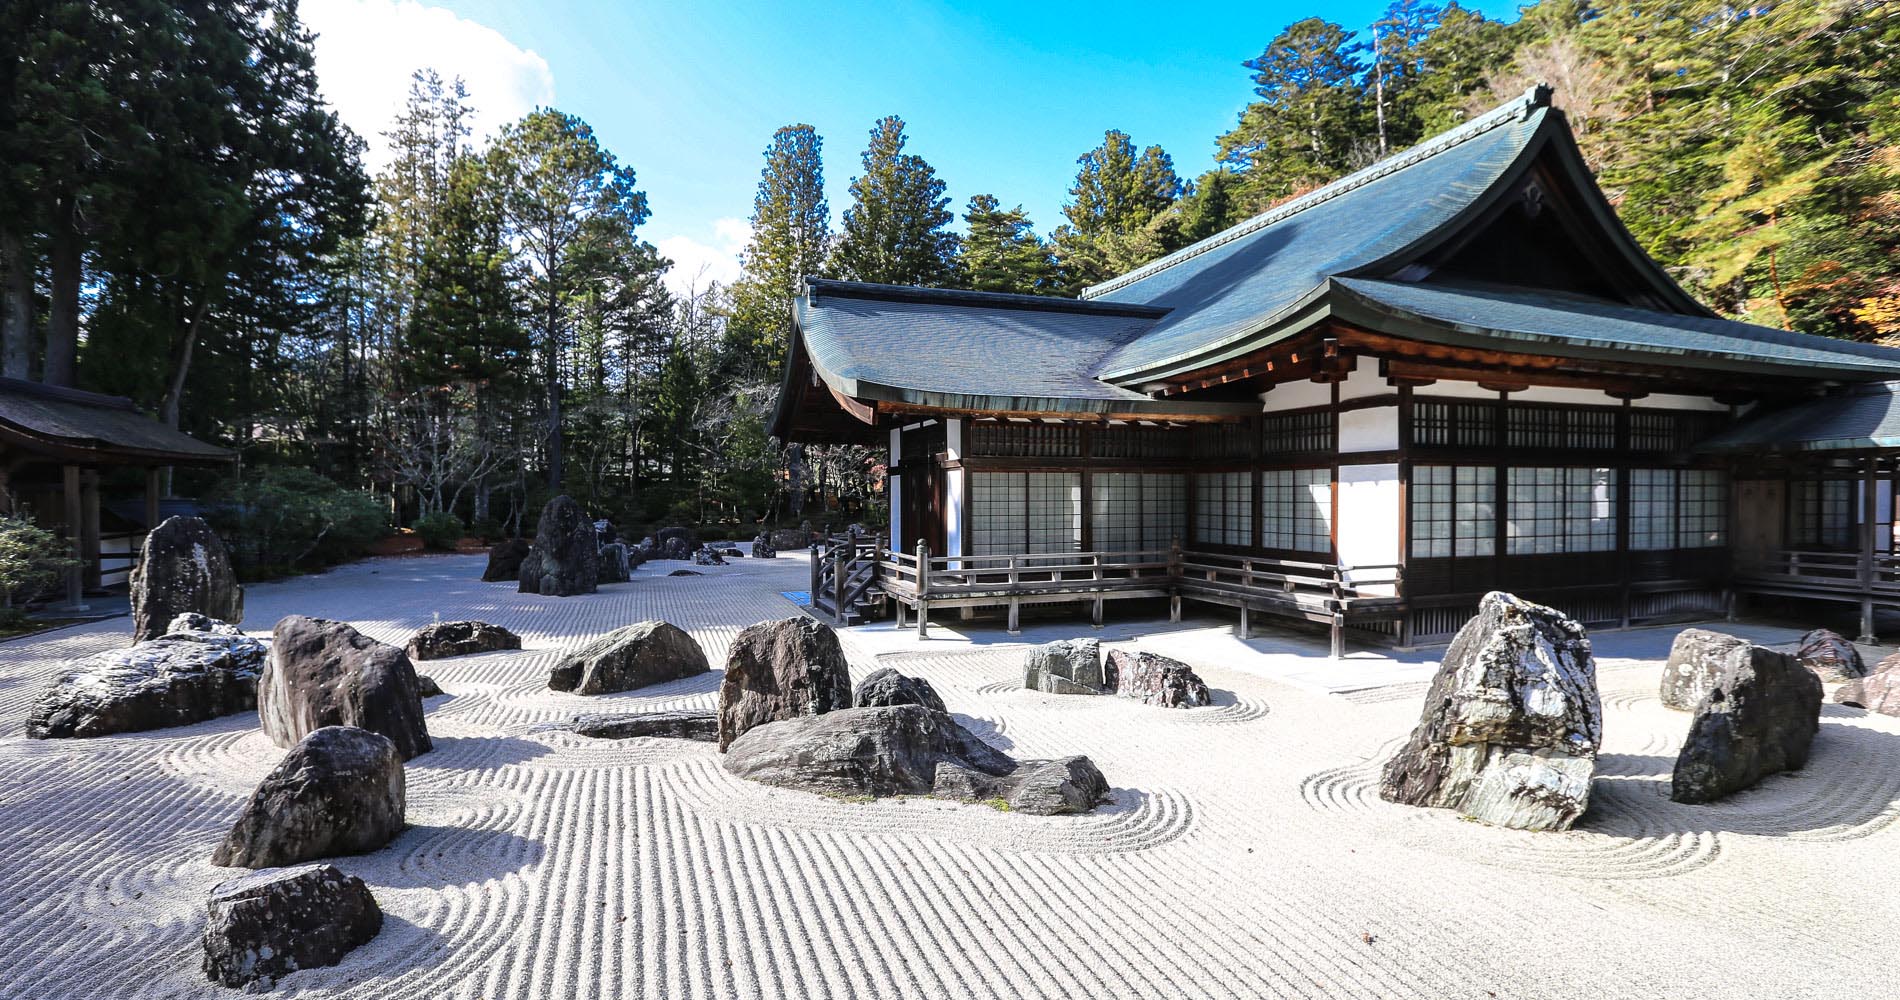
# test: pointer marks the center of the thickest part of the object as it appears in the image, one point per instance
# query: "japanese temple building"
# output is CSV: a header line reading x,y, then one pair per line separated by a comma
x,y
1451,372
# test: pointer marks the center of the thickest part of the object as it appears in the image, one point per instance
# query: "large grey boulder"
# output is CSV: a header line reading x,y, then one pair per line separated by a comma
x,y
1760,717
339,791
271,923
706,555
1830,656
564,559
782,669
888,687
675,543
504,560
442,640
1154,679
615,566
790,538
1512,722
1879,691
629,657
1695,661
183,567
1068,666
762,547
907,750
198,670
325,673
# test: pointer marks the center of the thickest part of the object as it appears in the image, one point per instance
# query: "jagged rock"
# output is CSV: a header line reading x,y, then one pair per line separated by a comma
x,y
427,687
790,538
629,657
762,548
564,560
504,560
615,566
445,639
893,750
1157,680
1068,666
182,567
781,669
339,791
605,533
271,923
702,725
188,675
324,673
707,556
1879,691
1511,725
1695,660
1830,656
1760,717
888,687
646,547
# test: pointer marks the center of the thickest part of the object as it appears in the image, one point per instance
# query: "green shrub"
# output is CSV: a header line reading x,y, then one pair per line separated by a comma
x,y
32,561
284,520
439,531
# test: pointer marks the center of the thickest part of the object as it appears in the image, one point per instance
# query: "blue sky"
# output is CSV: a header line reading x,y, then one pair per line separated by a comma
x,y
1000,97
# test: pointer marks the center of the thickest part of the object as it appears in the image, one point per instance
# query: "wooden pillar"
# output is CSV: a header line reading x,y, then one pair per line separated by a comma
x,y
1338,637
89,527
1245,630
1174,575
1870,516
75,577
923,590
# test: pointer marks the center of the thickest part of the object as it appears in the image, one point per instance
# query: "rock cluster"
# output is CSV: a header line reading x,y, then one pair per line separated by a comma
x,y
784,669
1760,716
675,543
1830,656
325,673
564,560
445,639
504,560
762,548
1157,680
1512,723
199,669
888,687
339,791
266,925
908,750
182,568
1068,666
1695,661
629,657
1879,691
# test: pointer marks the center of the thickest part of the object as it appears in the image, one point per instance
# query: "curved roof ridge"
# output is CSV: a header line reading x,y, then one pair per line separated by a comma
x,y
1516,109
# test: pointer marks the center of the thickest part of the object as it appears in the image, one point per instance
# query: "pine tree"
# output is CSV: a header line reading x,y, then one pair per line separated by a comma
x,y
895,230
1001,252
791,233
1306,127
1117,212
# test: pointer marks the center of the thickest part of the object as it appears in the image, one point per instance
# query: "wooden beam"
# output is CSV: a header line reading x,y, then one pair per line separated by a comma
x,y
863,411
1080,417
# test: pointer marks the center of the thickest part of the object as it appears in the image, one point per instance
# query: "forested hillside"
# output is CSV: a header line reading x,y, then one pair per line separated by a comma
x,y
481,323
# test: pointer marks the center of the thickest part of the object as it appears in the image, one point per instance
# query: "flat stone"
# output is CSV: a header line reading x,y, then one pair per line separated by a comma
x,y
182,567
445,639
701,726
784,669
1760,717
629,657
272,923
1512,724
188,675
565,558
340,790
325,673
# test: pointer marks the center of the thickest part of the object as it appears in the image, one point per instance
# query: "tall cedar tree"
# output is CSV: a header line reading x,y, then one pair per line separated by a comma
x,y
791,233
1117,211
895,230
1307,126
1001,252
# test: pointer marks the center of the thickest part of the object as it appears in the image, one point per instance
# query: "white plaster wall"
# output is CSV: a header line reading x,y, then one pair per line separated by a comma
x,y
1375,428
1573,397
1296,396
897,486
953,438
953,512
1364,380
1669,401
1369,515
1453,390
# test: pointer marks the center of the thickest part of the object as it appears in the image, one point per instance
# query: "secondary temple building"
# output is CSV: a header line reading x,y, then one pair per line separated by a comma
x,y
1451,372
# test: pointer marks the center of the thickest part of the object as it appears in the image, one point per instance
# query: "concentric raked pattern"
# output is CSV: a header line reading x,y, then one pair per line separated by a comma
x,y
1245,852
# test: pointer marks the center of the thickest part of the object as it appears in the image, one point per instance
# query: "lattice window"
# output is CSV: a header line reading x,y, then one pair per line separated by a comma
x,y
1234,441
1297,510
1554,427
1140,442
1013,440
1014,512
1553,510
1823,513
1137,510
1702,521
1671,432
1454,511
1652,508
1298,433
1454,425
1223,508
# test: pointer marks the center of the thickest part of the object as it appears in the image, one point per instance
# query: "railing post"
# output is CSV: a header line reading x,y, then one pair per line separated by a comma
x,y
1174,578
840,576
1015,623
1096,559
923,590
817,573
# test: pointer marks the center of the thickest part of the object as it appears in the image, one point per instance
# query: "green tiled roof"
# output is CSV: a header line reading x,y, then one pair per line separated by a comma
x,y
86,424
1858,418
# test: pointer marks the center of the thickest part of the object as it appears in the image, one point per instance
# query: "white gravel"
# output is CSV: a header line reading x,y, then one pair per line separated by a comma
x,y
1246,853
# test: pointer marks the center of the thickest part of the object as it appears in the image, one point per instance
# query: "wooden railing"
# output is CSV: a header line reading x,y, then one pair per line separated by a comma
x,y
1838,572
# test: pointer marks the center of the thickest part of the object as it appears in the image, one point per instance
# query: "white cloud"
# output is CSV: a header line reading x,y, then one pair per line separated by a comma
x,y
367,49
696,263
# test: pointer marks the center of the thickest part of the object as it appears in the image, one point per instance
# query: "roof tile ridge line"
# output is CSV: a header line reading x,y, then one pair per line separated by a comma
x,y
842,288
1517,109
69,394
